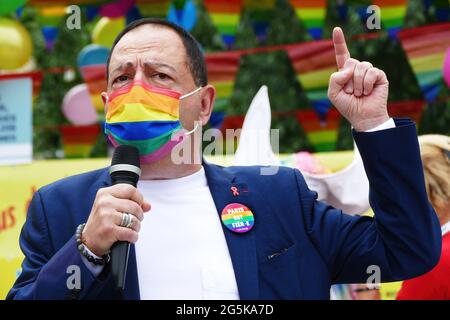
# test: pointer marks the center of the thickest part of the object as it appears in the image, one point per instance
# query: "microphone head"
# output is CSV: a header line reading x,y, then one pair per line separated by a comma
x,y
125,154
125,165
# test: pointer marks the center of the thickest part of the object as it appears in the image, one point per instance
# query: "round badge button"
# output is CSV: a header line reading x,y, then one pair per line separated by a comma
x,y
237,218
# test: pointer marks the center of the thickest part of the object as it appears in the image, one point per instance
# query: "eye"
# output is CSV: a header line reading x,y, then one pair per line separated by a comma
x,y
121,78
161,76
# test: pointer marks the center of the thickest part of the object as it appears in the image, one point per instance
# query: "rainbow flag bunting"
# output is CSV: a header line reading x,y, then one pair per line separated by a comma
x,y
225,15
410,109
314,62
50,14
322,135
233,122
392,14
183,13
65,2
358,6
78,141
50,18
425,48
222,70
261,12
312,13
153,8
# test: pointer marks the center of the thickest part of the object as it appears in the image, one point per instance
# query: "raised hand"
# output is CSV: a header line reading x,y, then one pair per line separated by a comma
x,y
358,90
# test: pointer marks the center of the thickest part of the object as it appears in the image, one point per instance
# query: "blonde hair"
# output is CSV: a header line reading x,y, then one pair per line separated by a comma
x,y
434,151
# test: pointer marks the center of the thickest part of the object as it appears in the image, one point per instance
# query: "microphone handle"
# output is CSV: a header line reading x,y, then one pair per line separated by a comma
x,y
119,263
121,249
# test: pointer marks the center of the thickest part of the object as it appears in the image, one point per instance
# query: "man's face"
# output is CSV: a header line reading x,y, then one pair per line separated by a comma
x,y
155,54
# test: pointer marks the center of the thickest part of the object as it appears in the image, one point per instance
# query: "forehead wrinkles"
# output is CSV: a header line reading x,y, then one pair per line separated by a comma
x,y
154,40
150,45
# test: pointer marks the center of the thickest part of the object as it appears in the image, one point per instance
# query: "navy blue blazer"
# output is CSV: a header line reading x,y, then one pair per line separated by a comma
x,y
317,245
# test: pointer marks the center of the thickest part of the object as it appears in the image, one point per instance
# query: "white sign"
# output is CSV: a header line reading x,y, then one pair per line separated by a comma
x,y
16,145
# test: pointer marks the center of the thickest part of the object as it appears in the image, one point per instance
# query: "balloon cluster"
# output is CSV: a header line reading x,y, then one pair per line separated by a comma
x,y
83,105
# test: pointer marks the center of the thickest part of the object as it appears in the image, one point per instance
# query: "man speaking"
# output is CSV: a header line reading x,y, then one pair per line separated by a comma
x,y
208,232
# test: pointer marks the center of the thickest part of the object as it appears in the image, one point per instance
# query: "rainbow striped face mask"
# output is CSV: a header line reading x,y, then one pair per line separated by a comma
x,y
147,118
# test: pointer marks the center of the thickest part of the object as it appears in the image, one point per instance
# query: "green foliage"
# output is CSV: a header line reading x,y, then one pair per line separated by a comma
x,y
436,118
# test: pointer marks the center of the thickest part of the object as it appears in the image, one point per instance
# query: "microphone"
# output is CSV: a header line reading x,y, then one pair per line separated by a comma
x,y
124,168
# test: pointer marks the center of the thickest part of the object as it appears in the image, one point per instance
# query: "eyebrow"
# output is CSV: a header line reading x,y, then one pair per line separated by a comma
x,y
159,65
122,66
147,64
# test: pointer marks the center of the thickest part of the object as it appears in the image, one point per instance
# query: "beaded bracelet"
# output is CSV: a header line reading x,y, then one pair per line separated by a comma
x,y
82,248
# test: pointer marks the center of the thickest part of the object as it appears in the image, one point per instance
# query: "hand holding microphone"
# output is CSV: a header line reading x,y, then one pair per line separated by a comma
x,y
103,226
115,218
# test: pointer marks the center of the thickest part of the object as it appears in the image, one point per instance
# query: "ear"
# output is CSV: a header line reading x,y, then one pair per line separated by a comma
x,y
104,96
207,103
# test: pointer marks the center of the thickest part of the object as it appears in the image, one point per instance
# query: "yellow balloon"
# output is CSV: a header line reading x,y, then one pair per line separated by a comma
x,y
16,47
106,31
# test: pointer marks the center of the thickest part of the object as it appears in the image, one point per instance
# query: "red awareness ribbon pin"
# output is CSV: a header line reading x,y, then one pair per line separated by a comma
x,y
235,191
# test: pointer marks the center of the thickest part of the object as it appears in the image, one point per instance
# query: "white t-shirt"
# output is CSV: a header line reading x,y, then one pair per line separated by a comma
x,y
182,252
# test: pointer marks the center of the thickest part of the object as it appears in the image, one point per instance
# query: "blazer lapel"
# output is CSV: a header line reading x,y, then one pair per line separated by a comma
x,y
131,291
242,247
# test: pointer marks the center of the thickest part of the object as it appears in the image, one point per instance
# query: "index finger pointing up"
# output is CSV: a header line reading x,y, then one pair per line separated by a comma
x,y
340,47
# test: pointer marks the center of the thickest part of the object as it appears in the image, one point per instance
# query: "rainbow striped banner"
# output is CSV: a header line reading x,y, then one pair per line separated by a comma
x,y
425,48
222,70
261,12
392,14
312,13
314,62
153,8
225,15
322,135
78,141
92,65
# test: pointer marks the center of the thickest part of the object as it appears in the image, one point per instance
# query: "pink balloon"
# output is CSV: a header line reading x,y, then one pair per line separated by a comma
x,y
447,68
77,106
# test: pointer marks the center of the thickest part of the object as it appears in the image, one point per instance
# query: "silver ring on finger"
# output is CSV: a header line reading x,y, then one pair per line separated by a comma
x,y
130,223
125,219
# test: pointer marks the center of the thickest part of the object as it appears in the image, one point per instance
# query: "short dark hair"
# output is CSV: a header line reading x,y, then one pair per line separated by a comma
x,y
194,54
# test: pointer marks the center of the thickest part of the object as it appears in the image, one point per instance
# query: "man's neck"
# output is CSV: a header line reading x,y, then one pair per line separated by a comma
x,y
166,169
